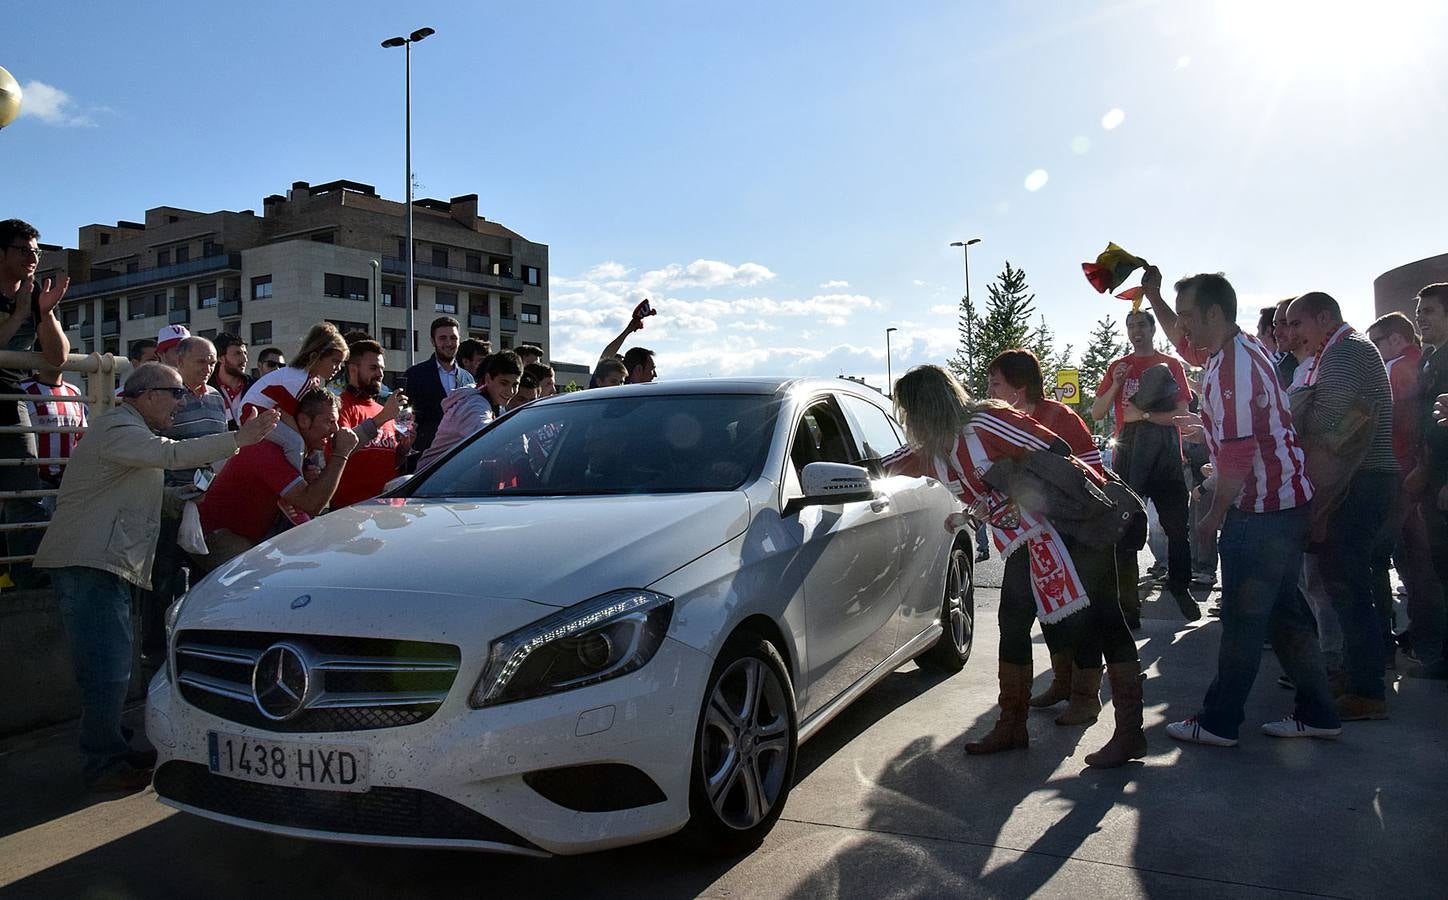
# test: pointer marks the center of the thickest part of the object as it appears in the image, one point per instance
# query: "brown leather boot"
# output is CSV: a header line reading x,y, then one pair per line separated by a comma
x,y
1085,698
1129,741
1009,732
1060,688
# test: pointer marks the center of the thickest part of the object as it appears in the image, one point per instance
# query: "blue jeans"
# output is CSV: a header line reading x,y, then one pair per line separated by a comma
x,y
1356,530
1261,556
96,609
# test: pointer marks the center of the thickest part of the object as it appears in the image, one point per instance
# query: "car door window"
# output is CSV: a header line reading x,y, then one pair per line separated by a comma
x,y
821,436
875,434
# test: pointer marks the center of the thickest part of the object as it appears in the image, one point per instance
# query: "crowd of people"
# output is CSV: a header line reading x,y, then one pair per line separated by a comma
x,y
1317,460
1306,461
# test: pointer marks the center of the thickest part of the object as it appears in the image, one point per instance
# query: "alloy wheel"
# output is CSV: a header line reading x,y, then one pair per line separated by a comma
x,y
744,751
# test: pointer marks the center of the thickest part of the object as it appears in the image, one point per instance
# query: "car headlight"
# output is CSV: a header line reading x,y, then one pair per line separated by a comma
x,y
608,636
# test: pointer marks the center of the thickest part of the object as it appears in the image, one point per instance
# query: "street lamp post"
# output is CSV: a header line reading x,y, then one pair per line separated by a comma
x,y
407,42
889,373
965,251
376,294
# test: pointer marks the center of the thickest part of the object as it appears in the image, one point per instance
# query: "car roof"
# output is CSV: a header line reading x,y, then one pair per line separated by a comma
x,y
757,384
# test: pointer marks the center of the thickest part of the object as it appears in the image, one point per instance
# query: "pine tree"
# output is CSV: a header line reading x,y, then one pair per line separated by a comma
x,y
1042,343
1104,347
967,359
1006,325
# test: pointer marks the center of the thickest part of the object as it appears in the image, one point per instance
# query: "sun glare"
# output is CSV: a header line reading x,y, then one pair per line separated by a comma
x,y
1318,36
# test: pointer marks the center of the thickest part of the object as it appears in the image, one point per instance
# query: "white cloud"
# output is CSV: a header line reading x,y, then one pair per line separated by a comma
x,y
705,273
52,106
834,285
589,310
918,283
945,309
1037,179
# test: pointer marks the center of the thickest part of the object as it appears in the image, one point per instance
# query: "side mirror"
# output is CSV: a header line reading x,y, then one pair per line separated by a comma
x,y
396,483
829,483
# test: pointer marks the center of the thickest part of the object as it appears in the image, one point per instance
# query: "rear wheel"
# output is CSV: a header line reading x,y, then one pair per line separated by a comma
x,y
957,616
744,749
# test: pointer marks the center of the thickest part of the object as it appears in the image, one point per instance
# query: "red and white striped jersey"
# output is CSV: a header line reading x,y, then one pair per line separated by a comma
x,y
1242,400
278,389
56,412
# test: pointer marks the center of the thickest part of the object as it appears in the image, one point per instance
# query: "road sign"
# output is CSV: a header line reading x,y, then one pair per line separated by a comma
x,y
1068,385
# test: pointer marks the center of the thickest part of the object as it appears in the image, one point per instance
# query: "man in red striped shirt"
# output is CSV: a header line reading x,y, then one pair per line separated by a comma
x,y
52,408
1261,503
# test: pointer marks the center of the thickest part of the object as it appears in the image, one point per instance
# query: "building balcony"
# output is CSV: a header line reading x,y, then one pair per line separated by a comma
x,y
229,307
507,324
178,316
87,330
477,321
392,265
221,262
111,328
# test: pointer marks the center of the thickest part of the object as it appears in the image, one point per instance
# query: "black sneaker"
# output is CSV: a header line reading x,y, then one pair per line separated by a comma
x,y
120,777
1185,603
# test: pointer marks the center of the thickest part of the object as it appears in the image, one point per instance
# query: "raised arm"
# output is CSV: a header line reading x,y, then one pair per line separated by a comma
x,y
616,344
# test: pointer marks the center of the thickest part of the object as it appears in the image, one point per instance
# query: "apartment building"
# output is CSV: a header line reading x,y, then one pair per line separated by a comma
x,y
335,251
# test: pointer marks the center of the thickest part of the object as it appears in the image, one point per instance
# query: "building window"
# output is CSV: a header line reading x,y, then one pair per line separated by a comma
x,y
325,237
138,308
133,265
69,318
261,333
345,286
105,239
261,287
402,249
208,249
475,262
208,333
506,340
163,258
439,257
478,305
505,307
391,294
183,253
531,315
447,302
206,295
393,338
111,311
531,275
346,327
112,346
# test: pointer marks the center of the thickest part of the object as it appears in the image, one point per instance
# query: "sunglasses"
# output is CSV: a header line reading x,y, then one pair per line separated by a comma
x,y
176,393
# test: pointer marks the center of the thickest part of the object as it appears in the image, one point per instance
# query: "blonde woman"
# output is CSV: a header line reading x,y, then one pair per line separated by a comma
x,y
956,439
322,355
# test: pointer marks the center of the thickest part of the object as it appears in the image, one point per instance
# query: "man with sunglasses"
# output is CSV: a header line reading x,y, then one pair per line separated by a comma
x,y
102,541
27,322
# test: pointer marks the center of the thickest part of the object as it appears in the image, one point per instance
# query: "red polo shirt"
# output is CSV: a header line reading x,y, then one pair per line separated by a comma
x,y
371,465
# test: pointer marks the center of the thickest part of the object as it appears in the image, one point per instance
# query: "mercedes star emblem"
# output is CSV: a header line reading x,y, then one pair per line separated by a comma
x,y
280,682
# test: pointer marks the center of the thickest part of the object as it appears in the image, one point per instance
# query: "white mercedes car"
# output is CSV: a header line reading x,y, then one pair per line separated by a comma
x,y
610,616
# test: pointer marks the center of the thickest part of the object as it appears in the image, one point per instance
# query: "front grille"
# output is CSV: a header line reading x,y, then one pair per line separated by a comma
x,y
382,811
362,683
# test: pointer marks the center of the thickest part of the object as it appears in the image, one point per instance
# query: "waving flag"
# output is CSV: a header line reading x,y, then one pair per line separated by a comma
x,y
643,311
1111,268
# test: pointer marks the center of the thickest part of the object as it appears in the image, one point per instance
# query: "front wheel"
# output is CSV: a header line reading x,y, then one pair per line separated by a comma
x,y
744,749
957,616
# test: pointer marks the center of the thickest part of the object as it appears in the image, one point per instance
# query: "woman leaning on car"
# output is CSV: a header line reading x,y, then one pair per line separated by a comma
x,y
1068,585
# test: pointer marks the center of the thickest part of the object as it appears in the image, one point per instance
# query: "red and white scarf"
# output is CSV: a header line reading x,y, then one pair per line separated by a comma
x,y
1057,587
1343,331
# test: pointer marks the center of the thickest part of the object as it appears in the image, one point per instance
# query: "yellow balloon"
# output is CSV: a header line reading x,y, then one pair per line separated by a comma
x,y
9,98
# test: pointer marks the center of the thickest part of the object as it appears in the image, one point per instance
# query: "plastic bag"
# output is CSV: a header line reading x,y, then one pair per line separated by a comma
x,y
190,537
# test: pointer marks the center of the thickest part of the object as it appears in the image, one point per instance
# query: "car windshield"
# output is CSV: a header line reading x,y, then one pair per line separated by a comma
x,y
612,445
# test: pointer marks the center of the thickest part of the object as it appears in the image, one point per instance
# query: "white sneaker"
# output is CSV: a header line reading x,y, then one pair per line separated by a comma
x,y
1191,731
1293,727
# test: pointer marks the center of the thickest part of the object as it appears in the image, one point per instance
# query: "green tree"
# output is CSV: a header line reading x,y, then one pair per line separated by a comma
x,y
1042,343
1104,346
967,359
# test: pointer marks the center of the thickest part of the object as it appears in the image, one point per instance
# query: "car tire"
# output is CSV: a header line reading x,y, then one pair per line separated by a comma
x,y
957,616
745,747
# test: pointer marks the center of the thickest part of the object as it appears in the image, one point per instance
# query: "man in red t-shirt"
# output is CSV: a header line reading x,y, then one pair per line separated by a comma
x,y
243,503
378,457
1148,457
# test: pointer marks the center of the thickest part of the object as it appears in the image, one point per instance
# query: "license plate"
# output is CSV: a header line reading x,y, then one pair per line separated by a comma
x,y
325,767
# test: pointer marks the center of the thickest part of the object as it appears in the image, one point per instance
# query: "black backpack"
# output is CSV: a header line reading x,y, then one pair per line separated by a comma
x,y
1056,486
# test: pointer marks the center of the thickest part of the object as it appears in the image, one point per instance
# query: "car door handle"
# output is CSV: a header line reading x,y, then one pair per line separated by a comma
x,y
879,504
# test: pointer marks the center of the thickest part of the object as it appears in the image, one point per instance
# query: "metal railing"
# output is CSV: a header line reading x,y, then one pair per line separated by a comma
x,y
128,280
102,371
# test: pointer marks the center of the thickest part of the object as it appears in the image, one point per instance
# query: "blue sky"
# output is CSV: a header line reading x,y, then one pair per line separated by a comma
x,y
782,179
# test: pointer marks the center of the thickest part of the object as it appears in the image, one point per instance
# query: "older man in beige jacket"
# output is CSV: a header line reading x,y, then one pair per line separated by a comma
x,y
102,540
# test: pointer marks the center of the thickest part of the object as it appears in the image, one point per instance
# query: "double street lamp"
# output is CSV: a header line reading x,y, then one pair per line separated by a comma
x,y
965,251
407,42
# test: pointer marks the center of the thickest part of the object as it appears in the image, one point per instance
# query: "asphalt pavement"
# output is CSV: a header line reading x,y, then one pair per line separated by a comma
x,y
885,805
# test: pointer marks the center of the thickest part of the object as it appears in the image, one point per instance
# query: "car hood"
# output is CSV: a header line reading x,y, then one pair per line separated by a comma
x,y
550,551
